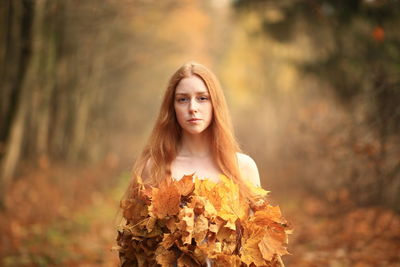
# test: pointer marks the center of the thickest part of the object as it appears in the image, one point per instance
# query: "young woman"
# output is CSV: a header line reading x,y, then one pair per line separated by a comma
x,y
193,134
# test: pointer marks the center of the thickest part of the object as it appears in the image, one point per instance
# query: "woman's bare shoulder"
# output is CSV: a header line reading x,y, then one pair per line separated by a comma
x,y
248,168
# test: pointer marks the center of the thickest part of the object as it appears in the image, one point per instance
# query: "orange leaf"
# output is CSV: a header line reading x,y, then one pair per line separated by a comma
x,y
227,260
168,241
270,213
250,252
186,224
185,185
200,228
209,190
273,243
165,200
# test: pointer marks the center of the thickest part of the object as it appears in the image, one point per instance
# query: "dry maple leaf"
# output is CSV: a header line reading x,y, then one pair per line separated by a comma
x,y
226,234
164,257
200,228
171,224
201,253
268,214
232,202
272,243
209,190
227,260
250,252
201,205
185,185
168,240
225,198
165,200
258,191
134,210
186,224
150,224
186,261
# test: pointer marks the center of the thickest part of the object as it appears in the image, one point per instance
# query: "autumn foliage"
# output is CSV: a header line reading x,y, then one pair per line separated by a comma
x,y
192,221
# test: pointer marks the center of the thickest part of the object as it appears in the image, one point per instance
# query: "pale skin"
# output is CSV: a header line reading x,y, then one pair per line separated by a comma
x,y
192,100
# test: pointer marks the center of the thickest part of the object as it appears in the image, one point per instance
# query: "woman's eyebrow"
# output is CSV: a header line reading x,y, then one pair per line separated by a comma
x,y
197,93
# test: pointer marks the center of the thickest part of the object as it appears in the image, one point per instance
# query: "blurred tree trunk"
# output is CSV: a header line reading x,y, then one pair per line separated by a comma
x,y
73,75
29,59
18,21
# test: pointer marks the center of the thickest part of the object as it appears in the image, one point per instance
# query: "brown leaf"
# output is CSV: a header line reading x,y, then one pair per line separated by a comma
x,y
200,228
172,214
186,261
186,224
133,210
171,224
165,200
150,224
185,185
227,260
201,205
200,253
168,240
226,234
164,257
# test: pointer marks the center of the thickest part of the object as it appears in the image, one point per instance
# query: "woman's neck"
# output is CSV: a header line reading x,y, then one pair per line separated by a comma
x,y
195,145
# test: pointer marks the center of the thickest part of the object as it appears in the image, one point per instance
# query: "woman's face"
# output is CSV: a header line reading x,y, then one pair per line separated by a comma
x,y
193,107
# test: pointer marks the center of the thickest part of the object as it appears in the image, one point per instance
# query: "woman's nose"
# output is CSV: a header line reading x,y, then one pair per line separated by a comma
x,y
193,105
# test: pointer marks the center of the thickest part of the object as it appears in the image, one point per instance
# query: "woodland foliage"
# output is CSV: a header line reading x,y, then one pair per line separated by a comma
x,y
349,52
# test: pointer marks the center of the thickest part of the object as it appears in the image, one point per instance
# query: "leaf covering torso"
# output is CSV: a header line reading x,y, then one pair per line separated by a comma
x,y
187,222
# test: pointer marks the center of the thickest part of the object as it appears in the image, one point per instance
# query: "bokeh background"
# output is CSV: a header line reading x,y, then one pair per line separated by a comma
x,y
313,87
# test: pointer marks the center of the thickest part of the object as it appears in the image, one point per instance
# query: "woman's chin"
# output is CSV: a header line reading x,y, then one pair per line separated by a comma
x,y
195,131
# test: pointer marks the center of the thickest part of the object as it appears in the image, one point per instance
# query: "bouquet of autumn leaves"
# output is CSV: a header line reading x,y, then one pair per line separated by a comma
x,y
192,221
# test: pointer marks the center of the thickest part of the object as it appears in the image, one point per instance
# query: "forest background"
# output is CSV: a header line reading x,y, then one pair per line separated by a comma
x,y
313,87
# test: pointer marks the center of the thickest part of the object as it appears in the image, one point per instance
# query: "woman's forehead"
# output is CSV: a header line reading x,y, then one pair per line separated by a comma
x,y
192,84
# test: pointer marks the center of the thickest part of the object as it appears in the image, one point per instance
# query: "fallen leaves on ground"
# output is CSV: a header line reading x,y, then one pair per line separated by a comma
x,y
342,234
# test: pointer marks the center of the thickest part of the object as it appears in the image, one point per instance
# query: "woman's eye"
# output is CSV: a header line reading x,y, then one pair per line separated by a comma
x,y
203,98
182,99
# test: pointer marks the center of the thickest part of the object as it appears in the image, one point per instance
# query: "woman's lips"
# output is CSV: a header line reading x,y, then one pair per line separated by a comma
x,y
194,120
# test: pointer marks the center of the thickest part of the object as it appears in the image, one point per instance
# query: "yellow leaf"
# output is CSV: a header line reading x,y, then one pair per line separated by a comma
x,y
259,191
250,252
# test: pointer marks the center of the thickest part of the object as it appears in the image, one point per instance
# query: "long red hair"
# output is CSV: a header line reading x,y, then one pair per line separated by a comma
x,y
161,148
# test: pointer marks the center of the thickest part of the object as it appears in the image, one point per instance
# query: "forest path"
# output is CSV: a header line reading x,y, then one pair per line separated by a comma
x,y
68,217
